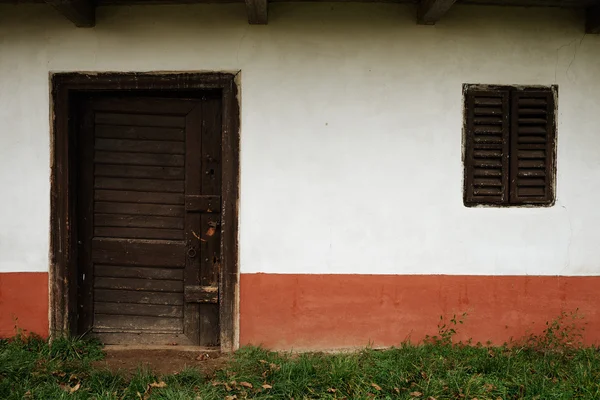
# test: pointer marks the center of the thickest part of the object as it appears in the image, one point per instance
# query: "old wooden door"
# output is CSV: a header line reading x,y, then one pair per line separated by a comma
x,y
148,203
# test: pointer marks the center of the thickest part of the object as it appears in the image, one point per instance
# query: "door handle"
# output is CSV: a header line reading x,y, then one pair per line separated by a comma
x,y
191,252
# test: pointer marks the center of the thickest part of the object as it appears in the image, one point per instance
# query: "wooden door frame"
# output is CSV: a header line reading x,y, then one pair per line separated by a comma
x,y
63,265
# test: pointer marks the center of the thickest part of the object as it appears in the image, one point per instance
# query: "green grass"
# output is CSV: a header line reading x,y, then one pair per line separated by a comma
x,y
553,365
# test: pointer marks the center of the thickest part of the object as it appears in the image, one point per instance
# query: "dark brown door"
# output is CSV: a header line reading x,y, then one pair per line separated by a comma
x,y
149,197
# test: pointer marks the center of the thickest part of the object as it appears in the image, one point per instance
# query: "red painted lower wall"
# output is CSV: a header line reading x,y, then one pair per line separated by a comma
x,y
312,312
343,311
23,303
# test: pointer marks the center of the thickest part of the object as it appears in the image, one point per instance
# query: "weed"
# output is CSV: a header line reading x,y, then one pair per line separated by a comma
x,y
446,330
564,334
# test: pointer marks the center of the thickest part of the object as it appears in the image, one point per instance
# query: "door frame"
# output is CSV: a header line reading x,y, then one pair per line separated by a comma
x,y
63,235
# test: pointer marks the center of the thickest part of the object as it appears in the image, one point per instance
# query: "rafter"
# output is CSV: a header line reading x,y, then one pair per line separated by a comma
x,y
592,20
258,11
430,11
80,12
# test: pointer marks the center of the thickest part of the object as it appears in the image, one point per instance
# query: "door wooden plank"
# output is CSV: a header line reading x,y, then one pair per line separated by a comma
x,y
139,233
211,249
210,223
167,121
122,271
139,209
201,294
151,310
154,285
203,203
193,167
149,159
85,218
134,171
127,296
145,105
145,338
138,197
140,132
211,148
119,323
209,277
139,252
140,146
138,221
143,185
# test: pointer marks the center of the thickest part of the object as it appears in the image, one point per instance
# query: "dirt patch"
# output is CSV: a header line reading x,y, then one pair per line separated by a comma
x,y
161,362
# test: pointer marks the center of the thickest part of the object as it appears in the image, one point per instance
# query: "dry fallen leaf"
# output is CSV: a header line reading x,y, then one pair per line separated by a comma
x,y
231,397
331,390
431,398
160,384
376,386
274,367
246,385
75,388
262,361
267,386
416,394
396,390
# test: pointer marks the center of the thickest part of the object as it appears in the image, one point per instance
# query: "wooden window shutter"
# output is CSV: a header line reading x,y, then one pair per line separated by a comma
x,y
486,147
532,147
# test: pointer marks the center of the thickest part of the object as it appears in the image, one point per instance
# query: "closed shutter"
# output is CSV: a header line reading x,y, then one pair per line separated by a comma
x,y
532,147
487,147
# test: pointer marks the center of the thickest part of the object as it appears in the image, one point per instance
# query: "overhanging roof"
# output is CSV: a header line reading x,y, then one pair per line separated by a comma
x,y
83,12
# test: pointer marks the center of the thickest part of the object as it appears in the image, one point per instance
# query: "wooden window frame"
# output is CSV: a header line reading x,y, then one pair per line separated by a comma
x,y
63,268
551,158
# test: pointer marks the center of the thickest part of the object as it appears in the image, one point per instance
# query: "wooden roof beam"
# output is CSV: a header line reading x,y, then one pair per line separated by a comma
x,y
80,12
430,11
592,20
258,11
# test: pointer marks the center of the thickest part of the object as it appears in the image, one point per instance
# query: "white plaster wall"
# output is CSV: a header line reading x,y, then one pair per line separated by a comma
x,y
351,130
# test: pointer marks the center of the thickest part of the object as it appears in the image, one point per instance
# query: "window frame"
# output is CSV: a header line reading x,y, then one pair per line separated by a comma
x,y
551,158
